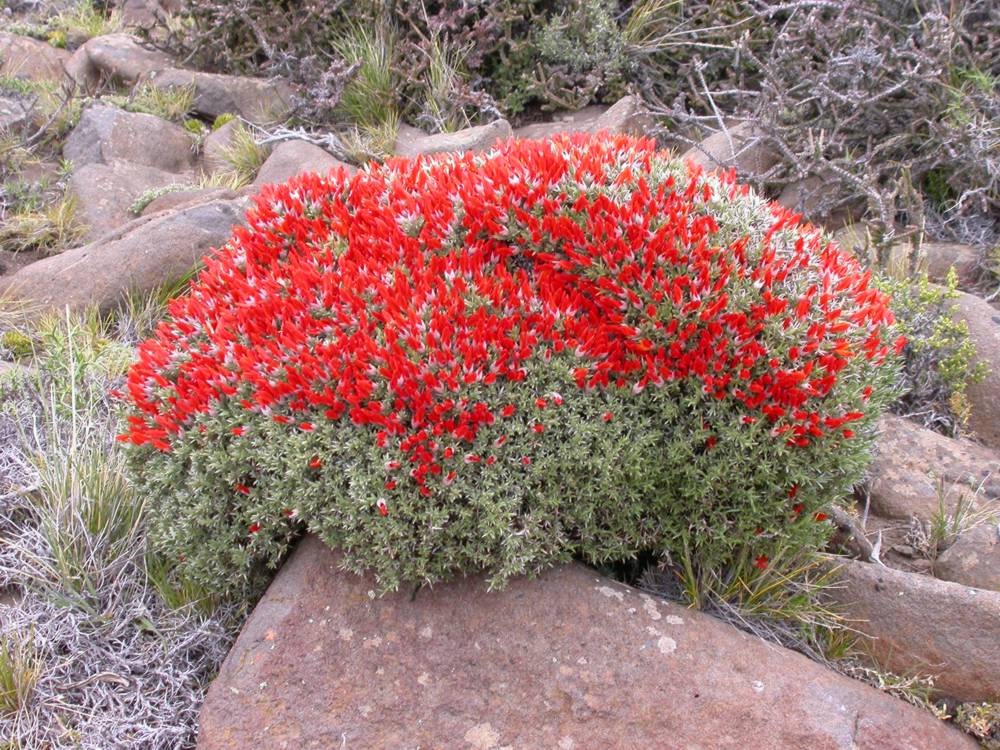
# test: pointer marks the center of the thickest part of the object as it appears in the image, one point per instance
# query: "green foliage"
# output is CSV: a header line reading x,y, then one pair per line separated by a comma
x,y
982,721
82,21
643,480
222,119
938,358
370,97
171,103
176,590
19,672
669,470
243,155
582,56
48,229
17,343
438,66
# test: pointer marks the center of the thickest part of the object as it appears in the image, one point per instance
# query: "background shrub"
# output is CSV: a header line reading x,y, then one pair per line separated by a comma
x,y
497,362
937,363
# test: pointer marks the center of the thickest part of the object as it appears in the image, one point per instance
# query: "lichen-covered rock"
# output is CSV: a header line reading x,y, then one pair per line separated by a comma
x,y
916,623
916,469
106,133
479,138
104,193
568,660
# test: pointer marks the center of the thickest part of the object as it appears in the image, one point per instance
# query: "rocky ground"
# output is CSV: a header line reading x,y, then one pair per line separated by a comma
x,y
573,659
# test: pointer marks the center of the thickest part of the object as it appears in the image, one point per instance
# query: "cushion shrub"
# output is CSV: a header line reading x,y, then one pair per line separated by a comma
x,y
570,348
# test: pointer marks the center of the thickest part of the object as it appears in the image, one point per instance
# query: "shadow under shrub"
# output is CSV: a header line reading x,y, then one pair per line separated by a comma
x,y
575,348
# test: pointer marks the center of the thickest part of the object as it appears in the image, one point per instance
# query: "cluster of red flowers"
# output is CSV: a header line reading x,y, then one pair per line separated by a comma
x,y
378,297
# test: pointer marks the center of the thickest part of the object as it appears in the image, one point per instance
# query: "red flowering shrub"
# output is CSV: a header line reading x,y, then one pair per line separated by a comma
x,y
498,361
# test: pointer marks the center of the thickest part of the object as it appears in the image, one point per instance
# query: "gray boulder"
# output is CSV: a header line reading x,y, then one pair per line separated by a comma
x,y
106,133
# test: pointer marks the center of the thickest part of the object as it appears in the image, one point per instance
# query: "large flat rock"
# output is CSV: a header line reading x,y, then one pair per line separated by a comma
x,y
568,660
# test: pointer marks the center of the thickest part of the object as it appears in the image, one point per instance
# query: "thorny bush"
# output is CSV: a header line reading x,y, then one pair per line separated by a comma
x,y
577,347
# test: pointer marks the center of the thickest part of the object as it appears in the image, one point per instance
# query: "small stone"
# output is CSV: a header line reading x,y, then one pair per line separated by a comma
x,y
105,193
480,138
627,116
974,558
139,257
257,100
119,57
940,257
24,57
738,146
295,157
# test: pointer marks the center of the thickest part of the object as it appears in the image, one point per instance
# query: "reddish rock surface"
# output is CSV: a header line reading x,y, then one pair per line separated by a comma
x,y
916,623
984,397
23,57
914,467
568,660
974,558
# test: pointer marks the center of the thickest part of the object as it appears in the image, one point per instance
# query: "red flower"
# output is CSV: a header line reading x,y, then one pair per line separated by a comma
x,y
315,463
761,562
383,509
238,431
526,460
254,528
242,488
406,340
821,516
